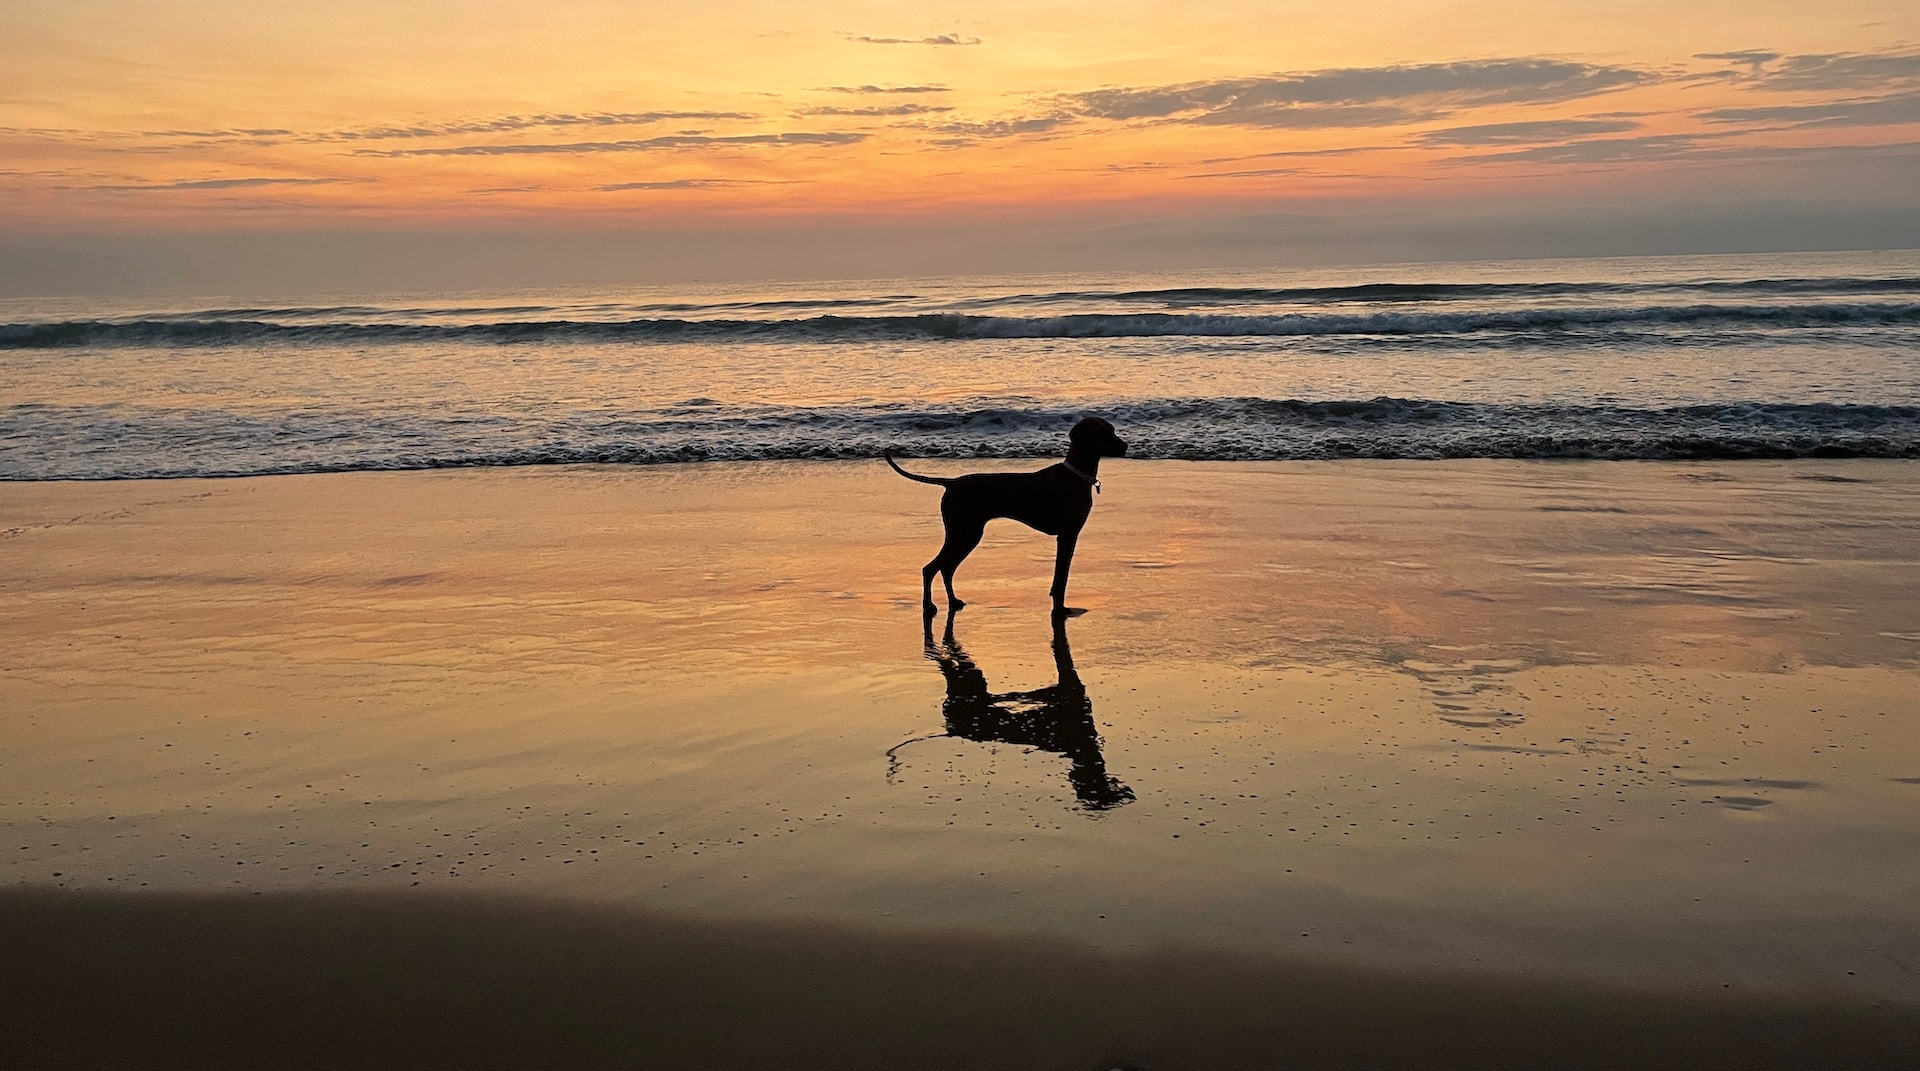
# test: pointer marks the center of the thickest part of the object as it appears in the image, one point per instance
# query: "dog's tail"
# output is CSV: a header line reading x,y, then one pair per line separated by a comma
x,y
937,481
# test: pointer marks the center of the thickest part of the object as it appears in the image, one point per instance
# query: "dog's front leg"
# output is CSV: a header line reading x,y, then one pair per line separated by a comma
x,y
1062,565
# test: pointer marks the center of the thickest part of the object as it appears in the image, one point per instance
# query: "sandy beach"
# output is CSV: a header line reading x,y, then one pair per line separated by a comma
x,y
1476,764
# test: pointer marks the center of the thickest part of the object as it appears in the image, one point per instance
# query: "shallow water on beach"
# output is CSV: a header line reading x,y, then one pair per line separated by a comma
x,y
1651,723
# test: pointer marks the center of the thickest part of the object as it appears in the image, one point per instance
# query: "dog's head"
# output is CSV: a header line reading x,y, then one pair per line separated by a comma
x,y
1097,435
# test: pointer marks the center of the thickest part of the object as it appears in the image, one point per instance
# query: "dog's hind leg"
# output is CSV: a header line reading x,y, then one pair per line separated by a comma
x,y
960,542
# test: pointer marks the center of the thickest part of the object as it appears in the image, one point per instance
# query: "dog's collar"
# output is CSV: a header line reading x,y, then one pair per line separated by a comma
x,y
1091,482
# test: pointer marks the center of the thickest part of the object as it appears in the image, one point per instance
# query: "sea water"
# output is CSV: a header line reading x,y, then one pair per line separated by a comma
x,y
1713,357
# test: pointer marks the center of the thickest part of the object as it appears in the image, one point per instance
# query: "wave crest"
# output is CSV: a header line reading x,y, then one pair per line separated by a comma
x,y
39,442
190,332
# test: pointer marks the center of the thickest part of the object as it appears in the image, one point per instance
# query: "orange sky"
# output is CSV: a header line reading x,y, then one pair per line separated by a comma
x,y
228,113
358,142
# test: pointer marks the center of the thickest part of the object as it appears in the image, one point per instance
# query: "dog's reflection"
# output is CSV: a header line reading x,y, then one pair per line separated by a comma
x,y
1057,718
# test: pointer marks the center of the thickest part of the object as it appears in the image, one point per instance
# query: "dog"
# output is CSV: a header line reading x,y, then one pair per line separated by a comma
x,y
1055,500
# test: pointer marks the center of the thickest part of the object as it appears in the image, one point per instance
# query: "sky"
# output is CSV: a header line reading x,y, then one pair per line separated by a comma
x,y
213,144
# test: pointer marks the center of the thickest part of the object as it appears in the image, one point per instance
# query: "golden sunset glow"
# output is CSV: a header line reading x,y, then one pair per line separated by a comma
x,y
132,113
601,141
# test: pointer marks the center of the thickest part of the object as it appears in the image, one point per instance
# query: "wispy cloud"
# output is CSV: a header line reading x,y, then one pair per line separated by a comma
x,y
665,143
942,39
687,184
1606,150
1699,149
1319,117
237,132
1358,96
1843,71
1262,172
1751,58
1816,72
1345,150
56,133
1878,111
877,110
450,128
962,133
888,89
508,123
217,184
1525,133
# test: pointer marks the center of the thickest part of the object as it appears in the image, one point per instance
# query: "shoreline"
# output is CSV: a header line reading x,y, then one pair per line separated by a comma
x,y
987,461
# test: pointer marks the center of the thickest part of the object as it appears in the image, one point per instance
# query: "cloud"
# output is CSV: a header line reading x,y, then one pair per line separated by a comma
x,y
219,184
1346,150
1524,133
239,132
1879,111
1650,147
507,123
943,39
686,184
893,109
961,133
57,133
1753,59
888,89
665,143
450,128
1264,172
1843,70
1317,118
1358,96
1598,150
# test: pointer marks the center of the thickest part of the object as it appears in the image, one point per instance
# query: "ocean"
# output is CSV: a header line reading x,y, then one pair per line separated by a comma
x,y
1713,357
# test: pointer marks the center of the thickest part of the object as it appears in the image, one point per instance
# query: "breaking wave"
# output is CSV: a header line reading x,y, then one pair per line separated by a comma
x,y
288,328
114,442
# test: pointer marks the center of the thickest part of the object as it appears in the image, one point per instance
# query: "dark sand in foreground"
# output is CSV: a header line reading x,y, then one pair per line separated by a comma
x,y
1354,764
311,980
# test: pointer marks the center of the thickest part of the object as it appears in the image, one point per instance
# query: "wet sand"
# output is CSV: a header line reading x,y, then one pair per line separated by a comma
x,y
1566,750
299,980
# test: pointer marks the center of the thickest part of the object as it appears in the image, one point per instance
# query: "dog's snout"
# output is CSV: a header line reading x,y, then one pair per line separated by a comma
x,y
1119,447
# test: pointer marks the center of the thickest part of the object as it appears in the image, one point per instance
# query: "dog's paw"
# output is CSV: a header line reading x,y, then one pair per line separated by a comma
x,y
1068,611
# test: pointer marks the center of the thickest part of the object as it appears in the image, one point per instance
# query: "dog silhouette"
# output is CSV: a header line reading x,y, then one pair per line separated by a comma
x,y
1055,500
